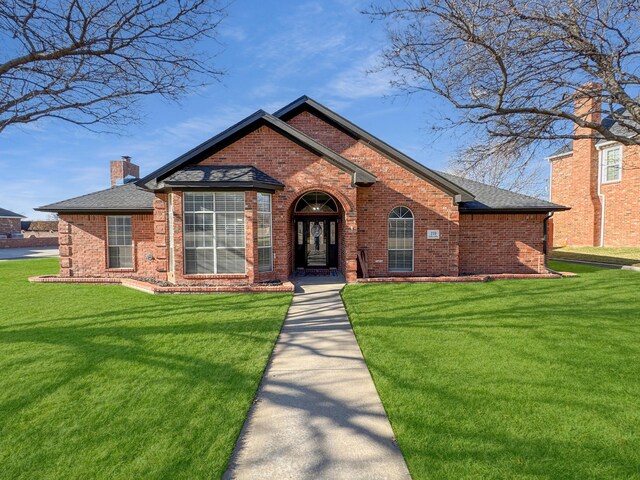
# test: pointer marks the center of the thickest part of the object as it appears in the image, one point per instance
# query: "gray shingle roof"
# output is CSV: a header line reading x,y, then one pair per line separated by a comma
x,y
488,198
121,198
9,213
223,176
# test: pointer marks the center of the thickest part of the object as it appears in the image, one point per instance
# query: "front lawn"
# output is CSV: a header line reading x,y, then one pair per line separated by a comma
x,y
508,379
101,381
614,255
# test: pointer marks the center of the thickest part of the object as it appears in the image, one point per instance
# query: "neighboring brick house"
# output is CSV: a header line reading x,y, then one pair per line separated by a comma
x,y
39,228
9,223
303,189
600,181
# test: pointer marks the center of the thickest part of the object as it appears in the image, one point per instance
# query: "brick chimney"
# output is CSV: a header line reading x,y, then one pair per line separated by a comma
x,y
586,203
120,169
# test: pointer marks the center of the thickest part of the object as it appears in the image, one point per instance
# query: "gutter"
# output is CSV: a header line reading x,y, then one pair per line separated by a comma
x,y
601,197
545,233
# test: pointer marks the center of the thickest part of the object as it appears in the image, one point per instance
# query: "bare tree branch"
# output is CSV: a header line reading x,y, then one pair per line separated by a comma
x,y
514,69
88,62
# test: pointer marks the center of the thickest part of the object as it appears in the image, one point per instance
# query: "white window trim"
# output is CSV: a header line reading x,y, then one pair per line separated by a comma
x,y
133,259
603,165
270,247
413,240
215,243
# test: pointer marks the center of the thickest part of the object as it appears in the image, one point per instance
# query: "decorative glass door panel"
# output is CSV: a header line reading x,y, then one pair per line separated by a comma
x,y
316,244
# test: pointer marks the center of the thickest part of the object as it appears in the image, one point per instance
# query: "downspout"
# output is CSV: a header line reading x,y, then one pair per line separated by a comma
x,y
601,197
545,234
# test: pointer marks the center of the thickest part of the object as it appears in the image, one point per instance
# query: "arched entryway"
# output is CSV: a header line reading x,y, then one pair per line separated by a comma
x,y
316,222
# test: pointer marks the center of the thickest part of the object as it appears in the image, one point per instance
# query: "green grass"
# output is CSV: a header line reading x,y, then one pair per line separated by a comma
x,y
614,255
100,381
509,379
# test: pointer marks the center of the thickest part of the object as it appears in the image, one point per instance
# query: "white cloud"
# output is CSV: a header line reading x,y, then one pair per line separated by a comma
x,y
361,81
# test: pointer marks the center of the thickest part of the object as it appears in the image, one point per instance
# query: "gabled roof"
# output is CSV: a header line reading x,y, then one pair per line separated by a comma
x,y
433,177
39,225
9,214
119,199
222,177
498,200
360,176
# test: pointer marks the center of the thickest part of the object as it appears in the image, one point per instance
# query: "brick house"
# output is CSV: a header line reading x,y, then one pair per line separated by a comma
x,y
600,181
302,189
9,223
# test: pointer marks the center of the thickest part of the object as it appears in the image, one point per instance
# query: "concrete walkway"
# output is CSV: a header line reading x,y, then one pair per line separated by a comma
x,y
317,413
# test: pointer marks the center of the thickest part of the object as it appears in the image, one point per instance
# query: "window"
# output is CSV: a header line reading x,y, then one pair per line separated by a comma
x,y
612,164
265,251
214,240
119,242
401,240
316,202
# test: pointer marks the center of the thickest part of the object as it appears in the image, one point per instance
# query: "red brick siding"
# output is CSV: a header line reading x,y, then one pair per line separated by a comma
x,y
433,209
9,226
622,203
83,248
574,182
497,243
301,171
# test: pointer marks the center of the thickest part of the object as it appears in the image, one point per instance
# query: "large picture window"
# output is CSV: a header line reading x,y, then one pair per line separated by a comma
x,y
214,239
119,244
401,240
612,164
265,250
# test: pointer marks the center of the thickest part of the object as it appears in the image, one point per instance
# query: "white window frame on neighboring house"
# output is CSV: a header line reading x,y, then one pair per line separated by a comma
x,y
605,165
214,232
399,216
119,241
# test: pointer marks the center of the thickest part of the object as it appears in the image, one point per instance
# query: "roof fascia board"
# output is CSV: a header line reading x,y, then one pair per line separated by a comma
x,y
150,179
559,155
250,123
377,145
468,211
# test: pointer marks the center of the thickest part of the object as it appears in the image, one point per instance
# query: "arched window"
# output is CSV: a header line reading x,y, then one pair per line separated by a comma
x,y
316,202
401,240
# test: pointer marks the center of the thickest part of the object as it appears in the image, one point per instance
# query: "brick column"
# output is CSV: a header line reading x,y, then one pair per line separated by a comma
x,y
160,230
251,234
65,242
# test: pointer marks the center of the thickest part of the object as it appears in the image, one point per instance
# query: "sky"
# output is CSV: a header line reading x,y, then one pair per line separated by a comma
x,y
272,52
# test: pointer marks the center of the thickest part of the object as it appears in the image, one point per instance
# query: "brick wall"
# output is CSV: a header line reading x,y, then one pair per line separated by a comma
x,y
433,209
622,203
9,226
574,182
83,250
497,243
28,242
301,171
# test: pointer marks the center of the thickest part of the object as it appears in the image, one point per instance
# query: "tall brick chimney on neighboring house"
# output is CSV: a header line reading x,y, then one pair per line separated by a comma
x,y
585,204
120,169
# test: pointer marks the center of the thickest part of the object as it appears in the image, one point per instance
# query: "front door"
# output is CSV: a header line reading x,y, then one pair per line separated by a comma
x,y
316,242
